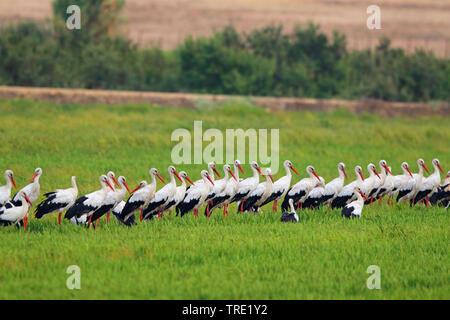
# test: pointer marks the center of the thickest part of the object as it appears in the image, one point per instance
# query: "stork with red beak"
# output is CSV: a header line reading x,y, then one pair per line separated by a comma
x,y
15,214
301,189
247,186
162,197
403,183
5,191
196,195
219,187
370,185
88,204
429,185
334,187
354,208
59,200
179,193
346,194
32,190
281,186
417,182
211,171
257,197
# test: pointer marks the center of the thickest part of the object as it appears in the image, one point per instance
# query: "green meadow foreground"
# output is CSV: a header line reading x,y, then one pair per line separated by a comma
x,y
243,256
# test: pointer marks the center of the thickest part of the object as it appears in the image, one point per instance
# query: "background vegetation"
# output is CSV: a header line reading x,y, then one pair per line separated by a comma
x,y
264,62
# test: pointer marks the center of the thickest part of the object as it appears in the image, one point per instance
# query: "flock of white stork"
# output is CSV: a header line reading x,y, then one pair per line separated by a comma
x,y
250,194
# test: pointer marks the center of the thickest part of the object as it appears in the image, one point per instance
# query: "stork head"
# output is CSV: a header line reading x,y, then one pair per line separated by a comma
x,y
421,163
154,172
184,175
312,172
358,190
227,168
123,182
405,168
112,177
255,166
142,184
269,175
288,164
341,168
371,168
37,173
212,166
105,182
437,164
23,196
173,171
383,166
359,172
9,176
205,176
237,164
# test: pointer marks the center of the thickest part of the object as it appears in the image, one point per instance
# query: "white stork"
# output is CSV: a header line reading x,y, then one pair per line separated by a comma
x,y
223,199
290,216
260,194
378,183
141,196
32,190
15,214
211,170
179,193
418,179
196,195
334,187
346,193
219,187
299,191
59,200
387,186
429,185
281,186
5,191
368,185
315,196
443,193
162,196
354,208
403,183
86,205
246,186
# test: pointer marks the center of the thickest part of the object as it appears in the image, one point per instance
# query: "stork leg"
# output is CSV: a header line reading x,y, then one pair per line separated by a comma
x,y
224,209
59,218
242,205
371,200
142,214
275,206
196,213
428,201
25,221
108,215
90,221
207,210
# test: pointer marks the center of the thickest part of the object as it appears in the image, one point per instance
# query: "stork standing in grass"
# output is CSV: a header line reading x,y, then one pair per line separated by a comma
x,y
246,186
379,184
32,190
313,200
59,200
141,196
387,186
346,193
290,216
196,195
406,189
299,191
429,185
179,193
5,191
163,196
16,213
368,185
219,187
86,205
281,186
418,179
222,200
334,187
260,194
354,208
117,211
443,193
211,171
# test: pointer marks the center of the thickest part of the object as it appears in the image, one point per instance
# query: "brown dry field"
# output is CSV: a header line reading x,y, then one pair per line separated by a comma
x,y
409,23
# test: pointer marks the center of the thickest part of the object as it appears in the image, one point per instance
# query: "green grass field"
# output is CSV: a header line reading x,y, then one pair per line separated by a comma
x,y
234,257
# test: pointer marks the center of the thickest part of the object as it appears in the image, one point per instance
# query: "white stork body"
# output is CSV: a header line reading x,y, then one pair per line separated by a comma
x,y
179,192
14,214
406,184
260,194
346,194
5,191
247,186
368,185
379,183
314,197
387,186
281,186
301,189
290,216
33,189
59,200
334,187
211,171
196,195
354,208
429,185
219,185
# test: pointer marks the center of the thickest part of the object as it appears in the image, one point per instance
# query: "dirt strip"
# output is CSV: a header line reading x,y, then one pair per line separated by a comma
x,y
84,96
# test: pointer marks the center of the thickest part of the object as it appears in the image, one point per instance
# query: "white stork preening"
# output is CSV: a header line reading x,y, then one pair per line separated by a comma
x,y
5,191
196,195
429,185
368,184
59,200
14,214
354,208
163,196
260,194
179,193
246,186
223,199
113,198
290,216
299,191
281,186
141,196
85,206
334,187
346,193
32,190
314,197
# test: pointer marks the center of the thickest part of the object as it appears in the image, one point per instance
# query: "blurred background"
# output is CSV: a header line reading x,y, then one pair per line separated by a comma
x,y
299,48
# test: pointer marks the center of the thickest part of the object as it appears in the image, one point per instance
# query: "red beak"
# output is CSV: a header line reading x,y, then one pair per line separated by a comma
x,y
259,170
176,174
232,174
135,189
126,186
425,167
409,171
190,181
215,171
316,176
109,184
160,178
271,178
240,168
345,173
210,180
32,178
362,193
115,181
362,177
28,200
25,222
440,168
387,169
13,182
293,169
375,170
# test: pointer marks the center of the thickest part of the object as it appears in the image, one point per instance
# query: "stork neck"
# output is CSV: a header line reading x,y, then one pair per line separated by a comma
x,y
211,173
288,171
255,173
8,181
359,197
341,174
420,170
236,172
291,205
74,184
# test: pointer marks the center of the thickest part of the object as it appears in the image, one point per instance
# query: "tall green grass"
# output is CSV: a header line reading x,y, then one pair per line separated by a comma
x,y
234,257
